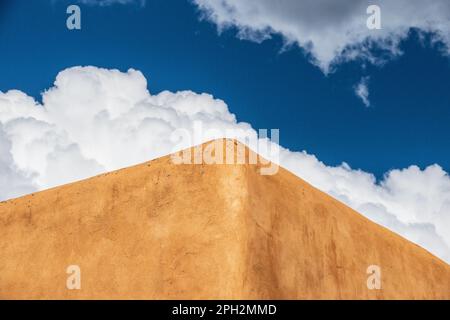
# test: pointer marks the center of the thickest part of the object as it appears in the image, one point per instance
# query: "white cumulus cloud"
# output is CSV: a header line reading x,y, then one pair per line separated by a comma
x,y
332,31
95,120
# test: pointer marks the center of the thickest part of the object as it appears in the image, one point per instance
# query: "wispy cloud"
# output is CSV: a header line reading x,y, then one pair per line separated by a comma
x,y
111,2
362,91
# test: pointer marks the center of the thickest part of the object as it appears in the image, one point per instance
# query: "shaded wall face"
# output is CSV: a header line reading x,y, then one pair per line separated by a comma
x,y
314,247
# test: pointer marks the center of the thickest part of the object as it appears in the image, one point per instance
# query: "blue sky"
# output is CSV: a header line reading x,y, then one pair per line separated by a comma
x,y
407,122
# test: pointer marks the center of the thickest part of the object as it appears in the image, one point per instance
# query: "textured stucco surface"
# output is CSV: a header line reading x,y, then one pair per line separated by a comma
x,y
164,231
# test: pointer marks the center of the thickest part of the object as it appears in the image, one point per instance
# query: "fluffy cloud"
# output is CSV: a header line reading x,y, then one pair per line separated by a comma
x,y
362,91
94,120
332,31
12,181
